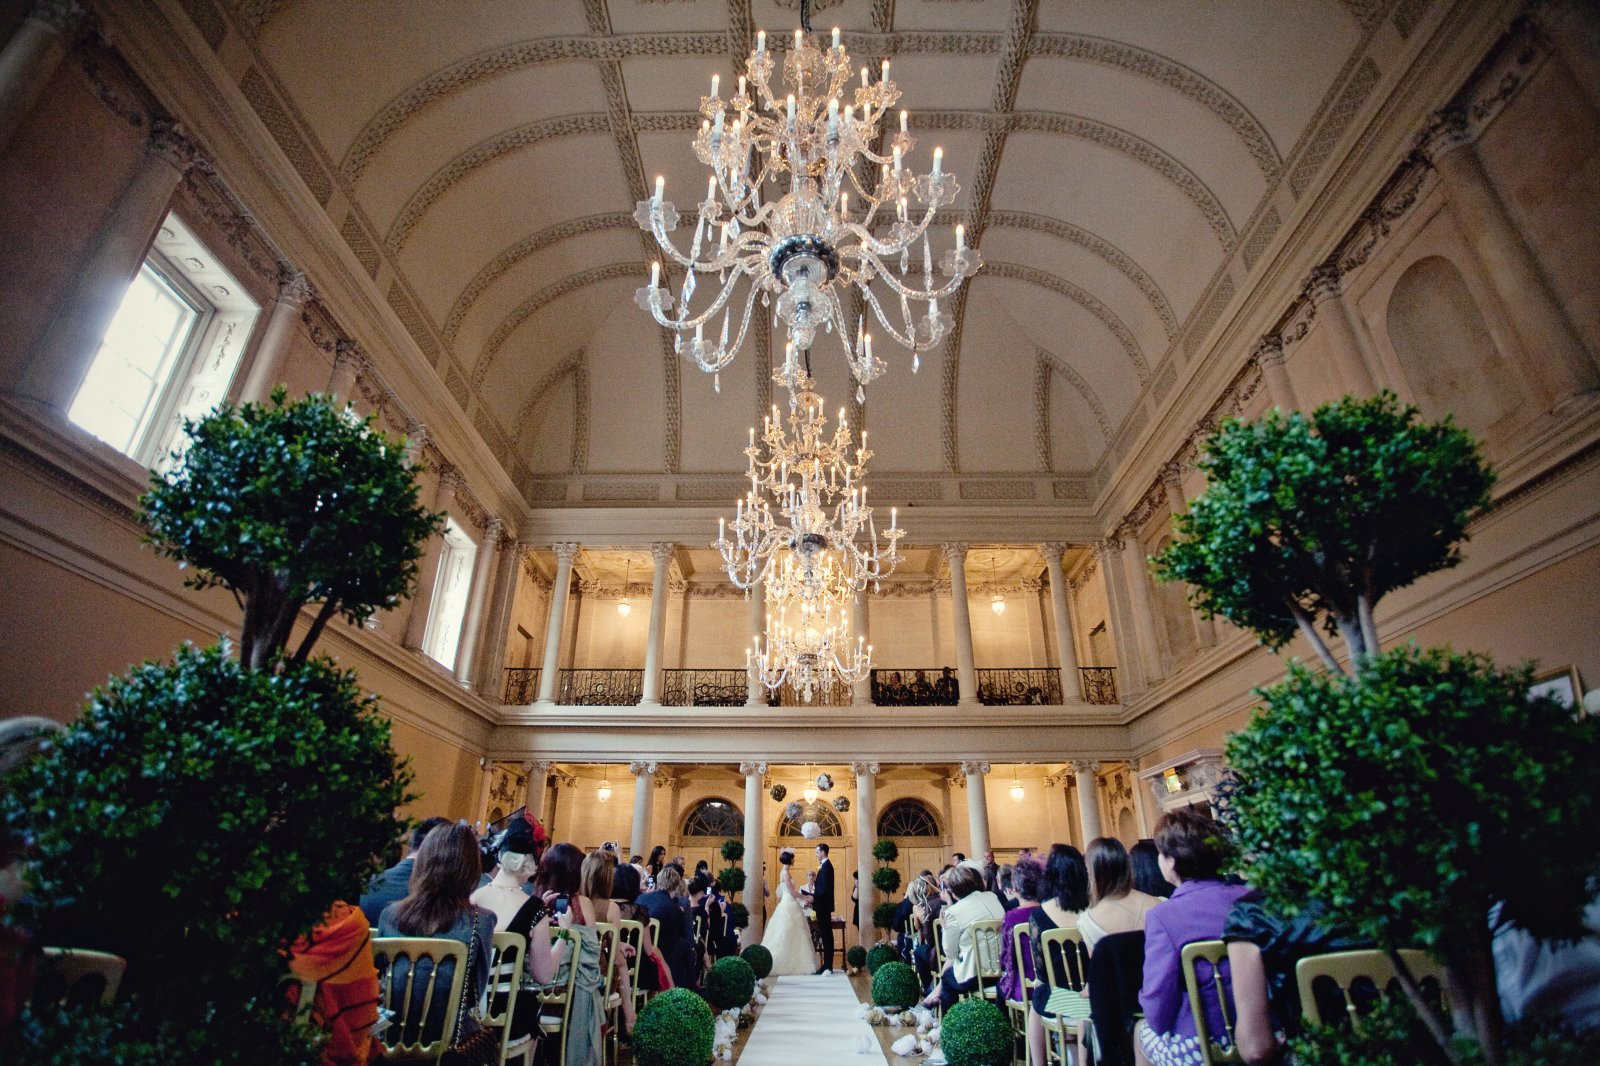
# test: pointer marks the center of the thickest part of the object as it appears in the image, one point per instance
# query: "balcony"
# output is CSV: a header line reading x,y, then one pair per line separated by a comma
x,y
936,686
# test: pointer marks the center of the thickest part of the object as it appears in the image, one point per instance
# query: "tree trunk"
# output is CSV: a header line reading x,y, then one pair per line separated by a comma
x,y
1436,1023
1308,629
329,608
1354,639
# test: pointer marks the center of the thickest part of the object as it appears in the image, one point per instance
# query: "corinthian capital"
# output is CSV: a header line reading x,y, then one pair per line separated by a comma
x,y
641,768
861,768
566,551
170,141
752,769
294,289
971,767
1084,766
954,553
1269,349
1051,551
1325,283
662,552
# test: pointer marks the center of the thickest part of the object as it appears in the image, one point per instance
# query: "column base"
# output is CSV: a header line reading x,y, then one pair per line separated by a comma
x,y
648,703
969,701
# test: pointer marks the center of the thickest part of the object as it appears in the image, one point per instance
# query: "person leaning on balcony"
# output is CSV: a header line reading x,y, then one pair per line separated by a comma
x,y
946,689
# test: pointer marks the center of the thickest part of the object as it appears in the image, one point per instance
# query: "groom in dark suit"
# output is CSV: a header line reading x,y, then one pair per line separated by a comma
x,y
822,903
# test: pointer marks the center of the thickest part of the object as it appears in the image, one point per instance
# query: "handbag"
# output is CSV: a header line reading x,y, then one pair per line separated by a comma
x,y
481,1047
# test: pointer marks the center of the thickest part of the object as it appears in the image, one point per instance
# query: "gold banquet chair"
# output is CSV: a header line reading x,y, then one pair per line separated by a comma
x,y
1017,1009
1345,968
986,944
1214,952
407,1036
555,1012
1065,975
611,1002
506,962
75,977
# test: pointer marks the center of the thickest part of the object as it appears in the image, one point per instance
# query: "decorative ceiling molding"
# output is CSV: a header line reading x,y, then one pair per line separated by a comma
x,y
535,303
1062,287
1045,365
575,366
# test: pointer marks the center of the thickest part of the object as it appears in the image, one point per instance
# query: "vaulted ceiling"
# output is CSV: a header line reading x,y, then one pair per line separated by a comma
x,y
1112,155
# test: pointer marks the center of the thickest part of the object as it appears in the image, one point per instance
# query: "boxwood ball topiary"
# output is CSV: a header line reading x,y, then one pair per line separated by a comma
x,y
883,915
739,915
895,985
676,1028
732,850
856,956
976,1033
880,954
730,983
731,879
886,850
760,960
886,879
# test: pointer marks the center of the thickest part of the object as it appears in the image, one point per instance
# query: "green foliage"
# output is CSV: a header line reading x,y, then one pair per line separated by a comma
x,y
740,914
883,915
886,851
189,794
886,879
879,954
975,1032
732,850
856,956
760,960
1393,1035
730,983
286,504
1317,516
894,984
235,1034
676,1028
1445,774
731,879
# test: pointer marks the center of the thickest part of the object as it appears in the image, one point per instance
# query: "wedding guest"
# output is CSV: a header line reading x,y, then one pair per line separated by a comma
x,y
667,904
855,898
1189,849
515,909
658,859
559,880
595,881
654,976
968,902
946,690
1028,877
337,956
438,904
921,691
1147,877
1063,899
392,884
923,892
1115,906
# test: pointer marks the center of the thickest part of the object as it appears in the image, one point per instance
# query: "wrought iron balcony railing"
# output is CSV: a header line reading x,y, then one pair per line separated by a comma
x,y
1016,686
1099,683
936,686
704,688
839,694
600,688
522,685
932,686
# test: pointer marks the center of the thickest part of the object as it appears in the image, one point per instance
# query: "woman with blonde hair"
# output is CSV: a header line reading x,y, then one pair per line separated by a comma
x,y
594,884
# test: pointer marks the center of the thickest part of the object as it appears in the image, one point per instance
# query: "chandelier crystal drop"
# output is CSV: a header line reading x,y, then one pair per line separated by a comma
x,y
809,648
808,199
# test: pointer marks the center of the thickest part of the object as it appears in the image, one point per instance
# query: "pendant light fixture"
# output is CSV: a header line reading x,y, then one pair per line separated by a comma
x,y
623,606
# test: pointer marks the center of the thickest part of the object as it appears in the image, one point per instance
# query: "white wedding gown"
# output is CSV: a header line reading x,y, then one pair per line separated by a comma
x,y
788,935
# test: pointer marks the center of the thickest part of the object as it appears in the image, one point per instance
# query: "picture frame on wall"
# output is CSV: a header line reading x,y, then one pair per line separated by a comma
x,y
1562,683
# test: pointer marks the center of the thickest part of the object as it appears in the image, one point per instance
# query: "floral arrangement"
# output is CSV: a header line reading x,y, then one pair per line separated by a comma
x,y
824,782
792,811
777,792
841,804
811,830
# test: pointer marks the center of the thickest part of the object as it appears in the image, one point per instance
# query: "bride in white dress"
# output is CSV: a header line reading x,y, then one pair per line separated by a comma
x,y
788,934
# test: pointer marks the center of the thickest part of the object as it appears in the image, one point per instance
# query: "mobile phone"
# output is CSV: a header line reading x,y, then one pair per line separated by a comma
x,y
562,902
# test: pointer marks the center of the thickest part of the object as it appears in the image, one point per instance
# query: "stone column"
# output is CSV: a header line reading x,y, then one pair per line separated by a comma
x,y
565,554
1141,799
1351,360
1268,355
491,660
1205,634
1130,671
966,667
1136,572
444,499
56,367
861,692
754,853
662,554
32,56
977,807
483,573
1088,798
644,779
265,370
756,692
348,362
538,798
866,838
1550,348
1066,648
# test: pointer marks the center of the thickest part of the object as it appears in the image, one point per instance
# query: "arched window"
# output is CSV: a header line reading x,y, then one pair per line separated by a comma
x,y
819,812
907,818
713,818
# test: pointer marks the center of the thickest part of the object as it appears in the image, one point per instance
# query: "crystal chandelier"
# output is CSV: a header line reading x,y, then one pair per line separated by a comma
x,y
805,520
808,647
802,204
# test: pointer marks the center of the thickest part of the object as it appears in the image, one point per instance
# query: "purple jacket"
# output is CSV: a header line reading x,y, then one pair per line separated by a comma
x,y
1196,910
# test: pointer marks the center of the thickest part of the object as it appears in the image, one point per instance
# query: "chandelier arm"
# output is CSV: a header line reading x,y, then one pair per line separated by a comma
x,y
877,310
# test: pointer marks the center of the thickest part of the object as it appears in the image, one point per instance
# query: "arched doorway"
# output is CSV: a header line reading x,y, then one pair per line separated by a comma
x,y
914,826
705,825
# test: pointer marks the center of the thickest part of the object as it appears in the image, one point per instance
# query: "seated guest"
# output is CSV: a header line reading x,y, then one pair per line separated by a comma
x,y
1189,847
1027,876
559,881
668,904
923,895
1145,863
337,956
517,911
595,883
1062,900
654,976
967,902
392,884
1115,906
722,938
699,899
448,864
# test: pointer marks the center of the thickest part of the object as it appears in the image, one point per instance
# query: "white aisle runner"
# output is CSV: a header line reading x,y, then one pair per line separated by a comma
x,y
811,1019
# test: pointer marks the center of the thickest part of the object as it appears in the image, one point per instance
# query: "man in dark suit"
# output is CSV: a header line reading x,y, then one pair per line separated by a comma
x,y
391,885
822,903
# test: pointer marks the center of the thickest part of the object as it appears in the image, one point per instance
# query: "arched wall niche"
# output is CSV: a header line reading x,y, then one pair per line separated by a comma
x,y
1446,351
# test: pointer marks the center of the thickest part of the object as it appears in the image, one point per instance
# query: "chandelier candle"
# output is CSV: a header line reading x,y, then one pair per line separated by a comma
x,y
776,222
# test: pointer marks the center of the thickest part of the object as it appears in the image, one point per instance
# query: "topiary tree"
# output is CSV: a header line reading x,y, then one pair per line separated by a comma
x,y
1307,521
886,850
731,879
975,1032
855,957
732,850
886,879
879,954
730,983
883,916
739,914
760,960
894,984
676,1028
289,504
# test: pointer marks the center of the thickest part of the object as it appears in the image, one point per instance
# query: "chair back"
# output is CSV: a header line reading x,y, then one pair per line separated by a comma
x,y
986,946
413,985
1066,961
1346,968
509,953
631,933
1022,958
1116,970
555,1013
655,932
938,944
73,977
699,932
608,954
1204,975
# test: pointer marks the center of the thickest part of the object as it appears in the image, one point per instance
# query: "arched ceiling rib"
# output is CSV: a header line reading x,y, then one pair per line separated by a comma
x,y
1062,287
533,304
